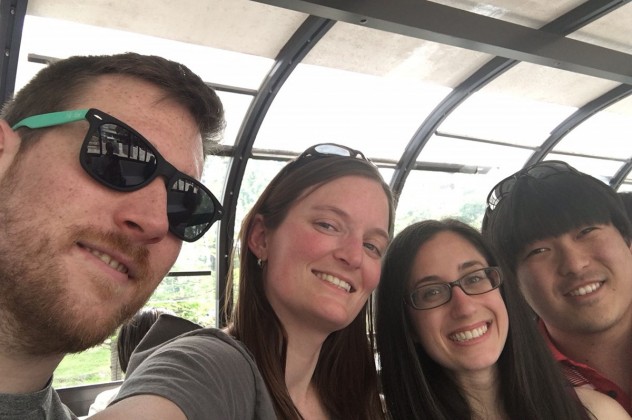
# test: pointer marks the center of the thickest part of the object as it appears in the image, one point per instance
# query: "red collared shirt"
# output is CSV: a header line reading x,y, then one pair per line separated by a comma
x,y
579,374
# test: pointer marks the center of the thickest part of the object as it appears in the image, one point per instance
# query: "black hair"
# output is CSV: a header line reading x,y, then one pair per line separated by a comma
x,y
538,208
626,199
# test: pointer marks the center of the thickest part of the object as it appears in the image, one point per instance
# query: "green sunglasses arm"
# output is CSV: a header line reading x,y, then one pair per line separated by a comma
x,y
51,119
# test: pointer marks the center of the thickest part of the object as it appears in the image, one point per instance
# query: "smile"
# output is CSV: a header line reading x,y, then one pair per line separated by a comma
x,y
584,290
335,281
469,335
107,259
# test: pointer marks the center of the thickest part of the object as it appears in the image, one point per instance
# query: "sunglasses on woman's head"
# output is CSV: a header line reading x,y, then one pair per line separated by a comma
x,y
120,158
325,150
539,170
331,149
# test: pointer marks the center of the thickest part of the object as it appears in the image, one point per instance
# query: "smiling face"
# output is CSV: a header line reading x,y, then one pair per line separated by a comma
x,y
468,333
579,282
323,261
76,258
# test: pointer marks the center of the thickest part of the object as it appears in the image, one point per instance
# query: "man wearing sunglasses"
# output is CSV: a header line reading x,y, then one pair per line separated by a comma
x,y
100,159
566,237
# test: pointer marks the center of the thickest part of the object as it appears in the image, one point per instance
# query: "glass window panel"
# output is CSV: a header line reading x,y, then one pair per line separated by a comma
x,y
441,149
235,108
626,186
510,119
387,174
602,169
88,367
257,176
60,39
372,114
604,134
200,255
437,195
189,297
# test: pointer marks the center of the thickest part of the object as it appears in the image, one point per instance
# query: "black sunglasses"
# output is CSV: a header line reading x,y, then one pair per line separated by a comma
x,y
330,149
318,151
120,158
538,170
324,150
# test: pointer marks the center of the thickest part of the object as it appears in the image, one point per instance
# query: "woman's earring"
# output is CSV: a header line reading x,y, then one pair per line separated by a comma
x,y
259,263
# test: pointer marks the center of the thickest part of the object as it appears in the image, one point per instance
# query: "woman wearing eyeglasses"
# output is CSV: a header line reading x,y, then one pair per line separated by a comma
x,y
456,340
311,251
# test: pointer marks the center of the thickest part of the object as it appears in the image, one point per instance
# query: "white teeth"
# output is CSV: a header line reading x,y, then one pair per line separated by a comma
x,y
468,335
335,281
584,290
108,260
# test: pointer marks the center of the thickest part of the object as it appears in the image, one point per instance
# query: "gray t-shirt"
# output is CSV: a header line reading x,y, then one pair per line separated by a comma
x,y
205,372
40,405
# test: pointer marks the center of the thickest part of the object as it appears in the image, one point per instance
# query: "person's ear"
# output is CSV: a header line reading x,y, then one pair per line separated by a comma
x,y
257,238
9,147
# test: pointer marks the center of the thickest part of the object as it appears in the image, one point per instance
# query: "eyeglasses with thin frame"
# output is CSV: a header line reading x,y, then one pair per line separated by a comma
x,y
539,170
433,295
117,156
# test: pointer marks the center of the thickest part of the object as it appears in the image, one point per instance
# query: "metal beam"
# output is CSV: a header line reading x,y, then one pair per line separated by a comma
x,y
563,25
447,25
480,78
12,14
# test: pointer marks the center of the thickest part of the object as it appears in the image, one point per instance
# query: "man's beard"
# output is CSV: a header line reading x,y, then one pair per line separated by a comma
x,y
40,314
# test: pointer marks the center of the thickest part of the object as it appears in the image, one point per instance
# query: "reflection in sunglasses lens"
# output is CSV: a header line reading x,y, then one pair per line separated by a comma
x,y
189,208
122,159
119,158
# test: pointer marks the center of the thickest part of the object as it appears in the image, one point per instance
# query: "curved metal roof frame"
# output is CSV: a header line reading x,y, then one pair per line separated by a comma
x,y
565,24
444,24
455,27
303,40
618,178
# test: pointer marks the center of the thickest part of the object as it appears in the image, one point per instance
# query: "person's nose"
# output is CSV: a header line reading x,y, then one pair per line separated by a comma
x,y
572,259
350,250
142,214
462,304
